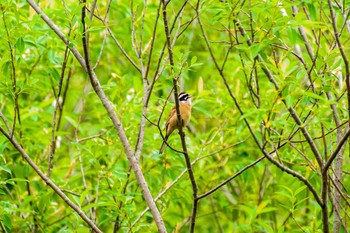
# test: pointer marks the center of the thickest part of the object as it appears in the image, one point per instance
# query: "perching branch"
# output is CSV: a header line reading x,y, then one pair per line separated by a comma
x,y
180,125
176,180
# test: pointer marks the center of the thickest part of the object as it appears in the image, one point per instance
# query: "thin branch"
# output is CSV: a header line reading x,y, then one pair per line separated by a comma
x,y
121,48
115,41
342,52
230,178
336,151
302,32
152,42
16,115
161,133
307,136
54,117
5,122
105,32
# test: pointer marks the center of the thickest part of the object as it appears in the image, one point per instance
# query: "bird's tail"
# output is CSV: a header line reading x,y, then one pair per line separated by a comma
x,y
162,148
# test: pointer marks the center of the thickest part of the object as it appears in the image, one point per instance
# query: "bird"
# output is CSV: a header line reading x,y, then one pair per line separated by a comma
x,y
185,106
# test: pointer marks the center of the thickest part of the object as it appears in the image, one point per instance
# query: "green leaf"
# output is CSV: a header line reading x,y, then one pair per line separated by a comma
x,y
54,74
281,229
6,219
302,188
20,45
288,189
16,180
71,121
312,11
100,204
82,196
2,192
6,169
263,225
193,60
255,49
3,145
6,68
313,95
52,56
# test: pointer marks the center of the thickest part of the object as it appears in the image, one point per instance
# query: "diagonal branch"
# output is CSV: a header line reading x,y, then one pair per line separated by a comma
x,y
49,182
116,122
307,136
230,178
336,151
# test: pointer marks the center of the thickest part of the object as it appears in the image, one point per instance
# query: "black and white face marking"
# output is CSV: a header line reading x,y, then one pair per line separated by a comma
x,y
184,97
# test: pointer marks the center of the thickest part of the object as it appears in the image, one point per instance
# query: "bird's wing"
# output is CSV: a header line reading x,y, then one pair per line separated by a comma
x,y
172,113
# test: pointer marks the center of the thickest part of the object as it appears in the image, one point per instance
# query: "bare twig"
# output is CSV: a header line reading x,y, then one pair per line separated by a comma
x,y
307,136
54,117
230,178
121,48
16,113
5,122
342,52
336,151
105,33
303,35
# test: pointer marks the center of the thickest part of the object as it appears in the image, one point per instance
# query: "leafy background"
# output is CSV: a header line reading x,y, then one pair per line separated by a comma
x,y
244,39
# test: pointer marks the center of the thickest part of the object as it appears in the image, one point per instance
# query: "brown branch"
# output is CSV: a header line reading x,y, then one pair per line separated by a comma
x,y
152,42
54,117
161,133
338,170
303,35
342,52
115,41
121,48
105,32
16,115
180,124
336,151
307,137
47,180
324,207
5,122
116,122
230,178
161,193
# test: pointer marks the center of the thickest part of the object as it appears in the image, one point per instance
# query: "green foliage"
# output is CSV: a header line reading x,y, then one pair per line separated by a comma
x,y
89,162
